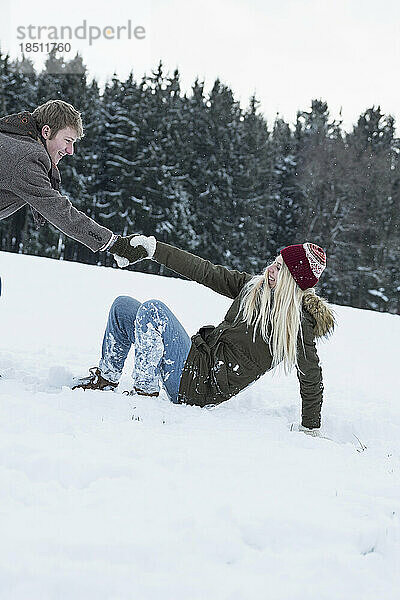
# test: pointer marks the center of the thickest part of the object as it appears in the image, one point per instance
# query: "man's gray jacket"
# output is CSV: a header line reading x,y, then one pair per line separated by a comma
x,y
25,169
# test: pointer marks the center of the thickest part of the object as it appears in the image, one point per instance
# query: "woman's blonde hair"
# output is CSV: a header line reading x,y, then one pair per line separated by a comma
x,y
275,315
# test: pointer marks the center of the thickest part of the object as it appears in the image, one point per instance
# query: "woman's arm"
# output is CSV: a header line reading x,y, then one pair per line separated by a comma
x,y
309,373
220,279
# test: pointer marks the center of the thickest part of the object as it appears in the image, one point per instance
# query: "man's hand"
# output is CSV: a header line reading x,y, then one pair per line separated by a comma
x,y
132,248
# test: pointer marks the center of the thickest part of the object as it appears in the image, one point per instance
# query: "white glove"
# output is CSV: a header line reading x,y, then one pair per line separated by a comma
x,y
148,242
121,261
148,247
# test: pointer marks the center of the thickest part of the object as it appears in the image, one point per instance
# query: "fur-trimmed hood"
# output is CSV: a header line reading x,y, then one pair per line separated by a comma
x,y
322,313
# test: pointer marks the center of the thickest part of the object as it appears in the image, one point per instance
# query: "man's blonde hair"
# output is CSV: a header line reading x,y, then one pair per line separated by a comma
x,y
275,315
58,114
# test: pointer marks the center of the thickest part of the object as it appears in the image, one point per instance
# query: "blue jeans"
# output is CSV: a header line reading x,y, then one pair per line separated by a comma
x,y
161,344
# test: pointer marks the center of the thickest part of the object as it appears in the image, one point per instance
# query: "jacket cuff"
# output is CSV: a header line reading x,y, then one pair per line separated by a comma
x,y
109,243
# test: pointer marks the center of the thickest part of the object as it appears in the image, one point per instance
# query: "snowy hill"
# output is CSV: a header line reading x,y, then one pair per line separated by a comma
x,y
108,497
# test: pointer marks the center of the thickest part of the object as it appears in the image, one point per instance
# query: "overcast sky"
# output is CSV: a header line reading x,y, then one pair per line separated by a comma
x,y
286,51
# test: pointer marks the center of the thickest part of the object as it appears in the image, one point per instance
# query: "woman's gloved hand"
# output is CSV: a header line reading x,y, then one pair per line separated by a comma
x,y
132,248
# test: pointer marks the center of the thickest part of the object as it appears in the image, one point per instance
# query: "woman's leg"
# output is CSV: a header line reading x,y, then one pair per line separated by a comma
x,y
118,337
161,348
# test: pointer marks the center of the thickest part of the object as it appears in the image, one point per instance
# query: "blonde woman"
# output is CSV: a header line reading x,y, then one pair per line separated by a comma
x,y
274,319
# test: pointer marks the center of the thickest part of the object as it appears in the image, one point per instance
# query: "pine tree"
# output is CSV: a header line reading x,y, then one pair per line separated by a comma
x,y
151,196
24,85
17,93
84,186
285,212
374,159
251,237
6,80
321,191
113,153
214,133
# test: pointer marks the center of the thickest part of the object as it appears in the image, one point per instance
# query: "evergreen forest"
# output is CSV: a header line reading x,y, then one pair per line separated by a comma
x,y
202,172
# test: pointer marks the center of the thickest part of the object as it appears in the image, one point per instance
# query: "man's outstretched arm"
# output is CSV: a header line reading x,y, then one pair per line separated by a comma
x,y
31,183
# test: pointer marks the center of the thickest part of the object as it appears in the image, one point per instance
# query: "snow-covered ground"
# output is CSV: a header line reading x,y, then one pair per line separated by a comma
x,y
105,496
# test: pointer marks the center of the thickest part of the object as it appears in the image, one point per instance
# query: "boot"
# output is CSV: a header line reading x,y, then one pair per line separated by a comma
x,y
140,392
95,381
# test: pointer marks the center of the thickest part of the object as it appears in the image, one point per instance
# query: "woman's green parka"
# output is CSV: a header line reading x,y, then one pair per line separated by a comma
x,y
223,360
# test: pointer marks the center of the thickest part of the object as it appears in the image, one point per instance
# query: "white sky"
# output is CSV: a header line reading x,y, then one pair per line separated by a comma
x,y
287,51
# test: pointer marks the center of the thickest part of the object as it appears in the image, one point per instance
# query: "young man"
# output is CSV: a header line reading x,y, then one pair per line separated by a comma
x,y
31,146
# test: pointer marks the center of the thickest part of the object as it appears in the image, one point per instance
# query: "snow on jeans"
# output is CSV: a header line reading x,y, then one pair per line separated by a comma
x,y
161,344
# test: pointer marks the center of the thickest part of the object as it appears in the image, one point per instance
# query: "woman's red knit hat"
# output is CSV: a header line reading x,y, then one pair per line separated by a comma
x,y
305,262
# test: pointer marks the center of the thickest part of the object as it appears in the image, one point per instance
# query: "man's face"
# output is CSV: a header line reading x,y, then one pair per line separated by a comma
x,y
61,144
273,271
